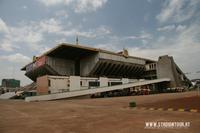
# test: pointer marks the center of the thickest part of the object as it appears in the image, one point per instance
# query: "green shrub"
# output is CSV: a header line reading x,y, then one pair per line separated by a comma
x,y
132,104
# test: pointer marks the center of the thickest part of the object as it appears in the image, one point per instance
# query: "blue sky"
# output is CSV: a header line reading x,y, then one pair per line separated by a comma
x,y
147,28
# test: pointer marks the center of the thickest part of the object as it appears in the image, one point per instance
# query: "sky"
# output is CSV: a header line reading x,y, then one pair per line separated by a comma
x,y
146,28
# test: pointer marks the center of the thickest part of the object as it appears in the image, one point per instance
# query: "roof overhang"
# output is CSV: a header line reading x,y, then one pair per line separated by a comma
x,y
74,52
68,51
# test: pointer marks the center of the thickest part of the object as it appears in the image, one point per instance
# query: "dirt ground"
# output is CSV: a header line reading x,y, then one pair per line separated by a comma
x,y
102,115
181,103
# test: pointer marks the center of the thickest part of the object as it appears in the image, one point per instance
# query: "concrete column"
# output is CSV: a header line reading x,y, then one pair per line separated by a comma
x,y
74,83
125,80
103,81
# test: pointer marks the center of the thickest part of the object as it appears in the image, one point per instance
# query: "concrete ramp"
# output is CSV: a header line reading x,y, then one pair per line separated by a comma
x,y
7,95
92,91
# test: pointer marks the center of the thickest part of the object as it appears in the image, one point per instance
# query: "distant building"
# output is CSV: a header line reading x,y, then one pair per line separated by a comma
x,y
10,83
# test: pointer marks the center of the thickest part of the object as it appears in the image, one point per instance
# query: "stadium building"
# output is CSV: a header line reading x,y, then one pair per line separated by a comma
x,y
70,67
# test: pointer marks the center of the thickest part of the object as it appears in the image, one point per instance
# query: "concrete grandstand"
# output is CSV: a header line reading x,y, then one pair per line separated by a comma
x,y
68,60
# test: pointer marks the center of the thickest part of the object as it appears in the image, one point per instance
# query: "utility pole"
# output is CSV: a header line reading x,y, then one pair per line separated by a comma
x,y
77,43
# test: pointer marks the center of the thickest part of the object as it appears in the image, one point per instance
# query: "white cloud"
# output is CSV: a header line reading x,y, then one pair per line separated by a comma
x,y
3,26
50,25
16,58
44,49
62,40
143,35
6,45
50,2
167,28
23,34
87,34
173,27
190,36
180,28
100,31
29,37
79,6
77,32
54,2
103,30
184,47
177,10
61,13
83,6
107,46
31,34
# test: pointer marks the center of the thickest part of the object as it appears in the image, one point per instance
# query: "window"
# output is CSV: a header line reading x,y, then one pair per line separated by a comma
x,y
94,83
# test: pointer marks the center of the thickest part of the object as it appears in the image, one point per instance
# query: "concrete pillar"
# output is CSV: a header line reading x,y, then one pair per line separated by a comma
x,y
103,81
74,83
125,80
